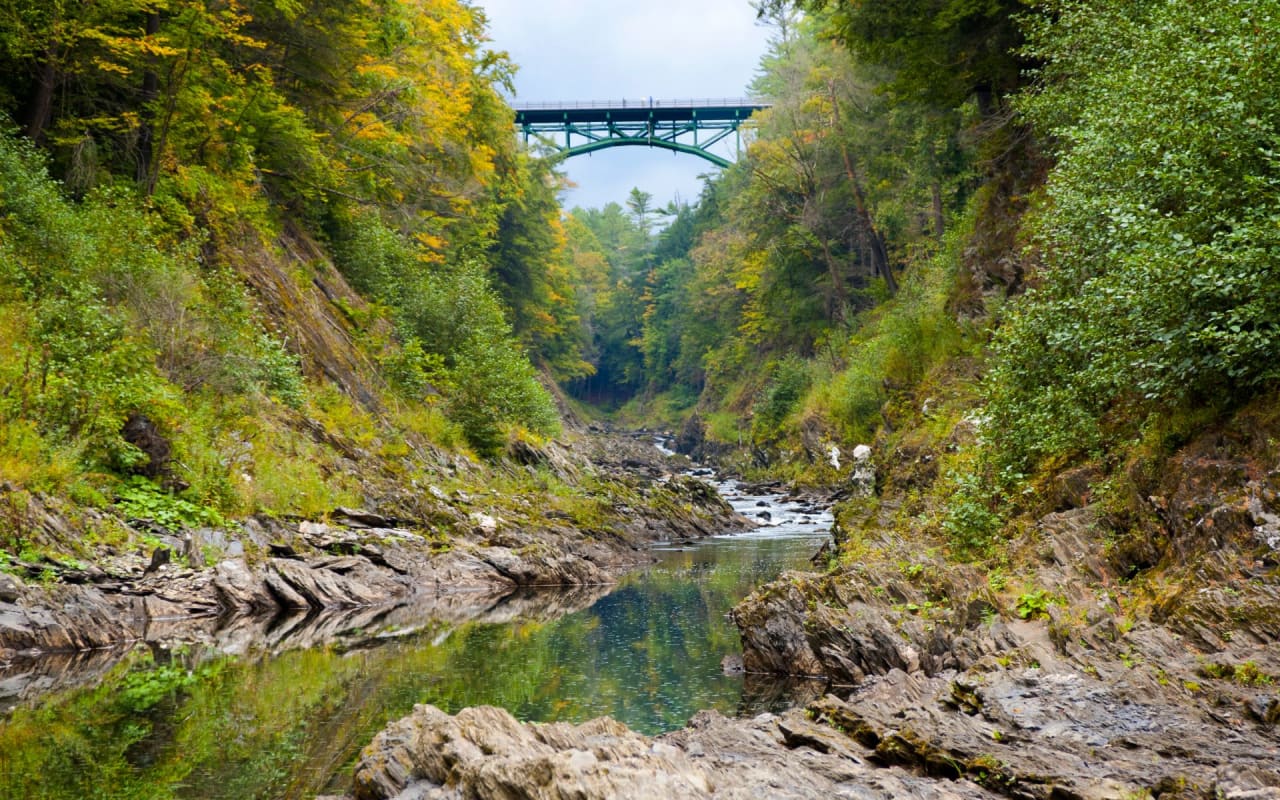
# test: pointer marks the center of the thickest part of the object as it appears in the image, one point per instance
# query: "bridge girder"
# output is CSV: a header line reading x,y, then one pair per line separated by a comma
x,y
572,129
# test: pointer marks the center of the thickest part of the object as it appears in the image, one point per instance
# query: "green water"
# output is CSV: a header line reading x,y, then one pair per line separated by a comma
x,y
197,723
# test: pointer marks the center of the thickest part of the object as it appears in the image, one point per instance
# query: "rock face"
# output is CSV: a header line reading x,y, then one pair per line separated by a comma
x,y
1070,702
484,752
1142,662
862,474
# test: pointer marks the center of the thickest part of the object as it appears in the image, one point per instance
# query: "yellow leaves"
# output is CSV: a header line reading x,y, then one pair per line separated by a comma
x,y
389,73
109,66
753,266
432,247
154,48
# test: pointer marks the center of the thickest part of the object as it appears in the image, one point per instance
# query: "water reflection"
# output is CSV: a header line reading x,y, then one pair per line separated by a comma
x,y
280,708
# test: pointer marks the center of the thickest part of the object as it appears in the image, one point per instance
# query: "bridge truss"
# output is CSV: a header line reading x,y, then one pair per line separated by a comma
x,y
683,126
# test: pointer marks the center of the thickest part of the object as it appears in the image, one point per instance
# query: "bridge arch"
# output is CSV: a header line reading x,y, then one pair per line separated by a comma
x,y
682,126
678,147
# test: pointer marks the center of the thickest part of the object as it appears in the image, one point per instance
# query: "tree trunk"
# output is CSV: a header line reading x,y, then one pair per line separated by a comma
x,y
939,222
146,128
879,254
985,96
42,98
836,297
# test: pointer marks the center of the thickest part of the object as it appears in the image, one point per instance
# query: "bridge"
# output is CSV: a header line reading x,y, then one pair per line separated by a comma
x,y
683,126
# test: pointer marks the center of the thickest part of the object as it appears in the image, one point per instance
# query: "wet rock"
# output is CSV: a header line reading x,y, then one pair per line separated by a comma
x,y
357,559
771,624
847,627
61,619
159,557
304,585
692,436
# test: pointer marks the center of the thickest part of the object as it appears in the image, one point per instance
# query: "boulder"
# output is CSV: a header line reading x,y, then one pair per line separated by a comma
x,y
485,752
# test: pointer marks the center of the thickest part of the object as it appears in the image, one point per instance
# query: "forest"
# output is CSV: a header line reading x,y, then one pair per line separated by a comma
x,y
1034,214
275,264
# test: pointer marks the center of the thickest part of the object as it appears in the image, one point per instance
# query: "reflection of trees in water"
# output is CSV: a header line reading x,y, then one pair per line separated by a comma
x,y
290,713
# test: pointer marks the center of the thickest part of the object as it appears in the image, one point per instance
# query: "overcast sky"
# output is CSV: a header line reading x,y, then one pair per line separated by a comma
x,y
610,50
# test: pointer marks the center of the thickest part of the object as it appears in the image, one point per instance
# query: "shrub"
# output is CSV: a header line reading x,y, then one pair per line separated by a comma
x,y
786,388
1158,228
455,337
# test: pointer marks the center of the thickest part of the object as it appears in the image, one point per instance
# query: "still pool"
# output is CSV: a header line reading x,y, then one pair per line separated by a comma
x,y
284,711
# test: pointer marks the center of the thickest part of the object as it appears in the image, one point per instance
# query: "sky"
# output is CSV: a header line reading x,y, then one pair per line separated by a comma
x,y
611,50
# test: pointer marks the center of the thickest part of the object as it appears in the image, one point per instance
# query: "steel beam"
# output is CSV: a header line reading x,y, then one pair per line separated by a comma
x,y
586,127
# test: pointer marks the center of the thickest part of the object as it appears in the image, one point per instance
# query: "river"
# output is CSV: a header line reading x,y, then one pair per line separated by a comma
x,y
282,710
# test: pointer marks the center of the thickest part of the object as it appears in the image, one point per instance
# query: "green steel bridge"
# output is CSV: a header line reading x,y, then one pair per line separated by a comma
x,y
684,126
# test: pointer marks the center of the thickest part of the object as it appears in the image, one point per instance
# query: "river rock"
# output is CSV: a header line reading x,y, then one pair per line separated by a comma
x,y
239,589
484,752
10,588
63,618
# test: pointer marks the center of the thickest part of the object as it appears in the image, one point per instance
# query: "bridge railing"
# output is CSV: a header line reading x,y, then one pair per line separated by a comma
x,y
649,102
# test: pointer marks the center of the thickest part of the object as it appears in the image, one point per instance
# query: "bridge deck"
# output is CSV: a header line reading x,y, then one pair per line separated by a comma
x,y
712,109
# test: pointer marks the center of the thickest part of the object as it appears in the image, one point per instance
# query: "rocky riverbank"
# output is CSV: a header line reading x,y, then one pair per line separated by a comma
x,y
1108,659
1118,650
421,545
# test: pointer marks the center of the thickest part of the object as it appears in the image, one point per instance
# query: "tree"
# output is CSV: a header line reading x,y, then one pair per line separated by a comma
x,y
638,203
942,52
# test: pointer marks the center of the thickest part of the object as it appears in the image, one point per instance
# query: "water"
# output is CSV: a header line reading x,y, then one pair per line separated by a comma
x,y
287,720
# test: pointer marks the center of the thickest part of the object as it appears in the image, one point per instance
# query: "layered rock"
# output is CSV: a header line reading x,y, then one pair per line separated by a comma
x,y
357,559
24,679
484,752
1114,658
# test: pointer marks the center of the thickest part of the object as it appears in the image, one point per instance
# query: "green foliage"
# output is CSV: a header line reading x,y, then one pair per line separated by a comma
x,y
896,344
412,370
1033,605
140,498
942,50
279,372
1246,673
611,260
971,522
76,366
787,386
454,313
107,312
454,335
533,273
793,255
143,689
1158,230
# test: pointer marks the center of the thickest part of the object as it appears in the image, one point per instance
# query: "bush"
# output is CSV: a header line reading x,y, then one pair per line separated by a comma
x,y
895,345
454,335
786,388
1158,230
